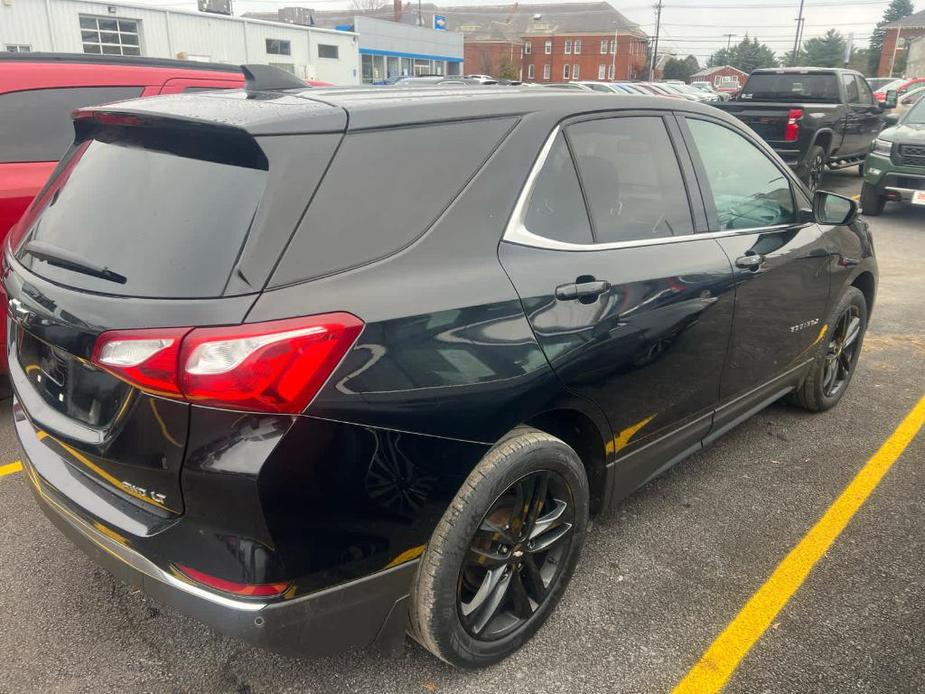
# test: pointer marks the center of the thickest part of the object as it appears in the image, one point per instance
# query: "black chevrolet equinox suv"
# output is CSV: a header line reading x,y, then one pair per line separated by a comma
x,y
320,367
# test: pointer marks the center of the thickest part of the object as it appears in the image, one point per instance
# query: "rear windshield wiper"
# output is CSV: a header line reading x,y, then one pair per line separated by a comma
x,y
60,257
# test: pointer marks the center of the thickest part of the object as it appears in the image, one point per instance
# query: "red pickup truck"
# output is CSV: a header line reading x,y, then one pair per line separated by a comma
x,y
38,92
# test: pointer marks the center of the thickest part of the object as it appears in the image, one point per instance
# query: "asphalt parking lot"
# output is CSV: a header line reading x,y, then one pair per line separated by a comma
x,y
661,576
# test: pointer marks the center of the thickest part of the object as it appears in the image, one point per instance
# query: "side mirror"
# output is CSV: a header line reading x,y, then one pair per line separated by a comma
x,y
891,97
891,119
830,208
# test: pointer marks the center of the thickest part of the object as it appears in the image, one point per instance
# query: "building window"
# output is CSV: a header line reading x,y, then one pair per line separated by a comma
x,y
577,46
547,71
613,45
565,71
547,47
326,50
603,46
528,48
601,71
575,71
531,71
18,48
610,71
278,47
110,36
568,46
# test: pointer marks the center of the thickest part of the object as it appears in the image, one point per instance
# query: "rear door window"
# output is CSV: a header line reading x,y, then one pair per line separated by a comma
x,y
851,89
556,209
631,178
36,124
169,224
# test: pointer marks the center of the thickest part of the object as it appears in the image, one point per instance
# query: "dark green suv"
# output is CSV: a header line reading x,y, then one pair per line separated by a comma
x,y
895,168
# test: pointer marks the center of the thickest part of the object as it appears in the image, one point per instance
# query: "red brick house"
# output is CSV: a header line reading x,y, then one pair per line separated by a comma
x,y
550,42
722,78
904,31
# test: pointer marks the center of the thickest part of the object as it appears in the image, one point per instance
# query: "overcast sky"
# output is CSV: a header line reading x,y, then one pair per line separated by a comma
x,y
696,27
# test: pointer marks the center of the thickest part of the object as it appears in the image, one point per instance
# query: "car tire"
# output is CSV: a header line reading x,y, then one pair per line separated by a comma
x,y
467,605
839,347
872,203
815,167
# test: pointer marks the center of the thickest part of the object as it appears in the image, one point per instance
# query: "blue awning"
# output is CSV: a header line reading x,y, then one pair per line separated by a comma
x,y
417,56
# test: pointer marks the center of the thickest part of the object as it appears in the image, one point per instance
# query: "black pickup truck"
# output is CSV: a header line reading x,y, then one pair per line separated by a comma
x,y
812,117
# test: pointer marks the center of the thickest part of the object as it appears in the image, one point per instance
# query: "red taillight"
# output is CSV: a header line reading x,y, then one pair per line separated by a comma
x,y
277,366
145,358
251,590
792,131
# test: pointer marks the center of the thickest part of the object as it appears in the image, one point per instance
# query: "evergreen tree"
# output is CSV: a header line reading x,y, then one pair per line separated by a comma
x,y
678,69
826,51
749,54
897,10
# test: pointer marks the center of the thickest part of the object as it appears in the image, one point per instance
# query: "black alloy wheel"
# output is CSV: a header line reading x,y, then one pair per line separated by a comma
x,y
816,169
504,552
514,559
841,354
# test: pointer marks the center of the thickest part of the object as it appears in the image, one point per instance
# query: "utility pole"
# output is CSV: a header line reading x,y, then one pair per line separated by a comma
x,y
658,26
728,41
796,39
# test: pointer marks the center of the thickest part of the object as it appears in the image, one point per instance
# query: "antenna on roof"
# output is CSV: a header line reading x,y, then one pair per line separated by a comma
x,y
266,78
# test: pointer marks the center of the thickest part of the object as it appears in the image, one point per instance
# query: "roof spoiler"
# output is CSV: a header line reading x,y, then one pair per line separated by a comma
x,y
266,78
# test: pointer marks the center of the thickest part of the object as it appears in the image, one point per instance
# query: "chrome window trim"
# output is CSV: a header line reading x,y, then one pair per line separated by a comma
x,y
517,232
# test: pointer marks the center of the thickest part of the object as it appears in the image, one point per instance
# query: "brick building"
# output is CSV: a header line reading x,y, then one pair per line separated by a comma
x,y
549,42
722,78
904,31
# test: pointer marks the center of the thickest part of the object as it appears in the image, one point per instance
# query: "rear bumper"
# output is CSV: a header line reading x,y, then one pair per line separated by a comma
x,y
371,611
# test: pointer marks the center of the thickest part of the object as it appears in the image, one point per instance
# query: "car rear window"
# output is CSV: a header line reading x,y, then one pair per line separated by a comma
x,y
168,212
36,124
783,87
383,190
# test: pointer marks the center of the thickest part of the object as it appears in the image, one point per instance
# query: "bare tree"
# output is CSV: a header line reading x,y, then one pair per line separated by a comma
x,y
366,5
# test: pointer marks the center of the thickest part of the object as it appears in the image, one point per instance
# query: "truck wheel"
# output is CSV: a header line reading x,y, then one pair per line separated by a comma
x,y
872,203
815,168
504,551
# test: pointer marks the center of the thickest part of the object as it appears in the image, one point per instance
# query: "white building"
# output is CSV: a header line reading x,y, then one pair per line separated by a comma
x,y
90,26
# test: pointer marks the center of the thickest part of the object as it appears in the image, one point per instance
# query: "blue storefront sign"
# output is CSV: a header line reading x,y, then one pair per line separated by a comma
x,y
439,22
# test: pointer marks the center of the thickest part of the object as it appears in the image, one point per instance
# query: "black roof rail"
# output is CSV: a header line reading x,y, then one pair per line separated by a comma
x,y
266,78
141,61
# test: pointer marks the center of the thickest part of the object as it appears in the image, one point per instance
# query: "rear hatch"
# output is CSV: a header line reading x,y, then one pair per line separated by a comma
x,y
148,223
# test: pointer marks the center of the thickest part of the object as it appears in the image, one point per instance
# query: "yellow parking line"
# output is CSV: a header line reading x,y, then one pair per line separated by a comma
x,y
10,468
856,197
720,660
